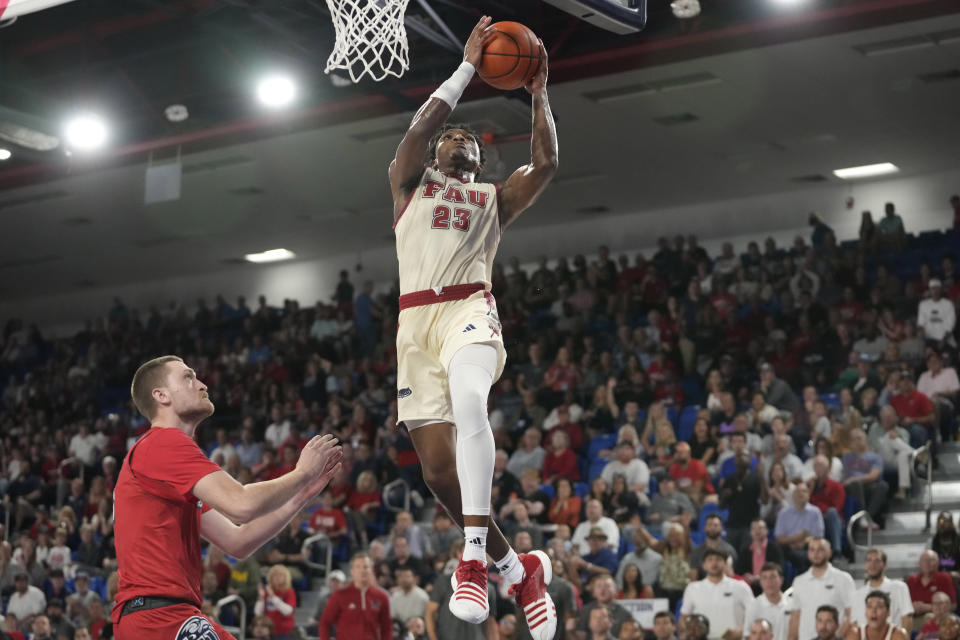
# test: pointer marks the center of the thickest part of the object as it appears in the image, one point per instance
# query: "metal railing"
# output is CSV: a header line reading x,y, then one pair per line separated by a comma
x,y
928,488
241,631
306,548
863,513
388,489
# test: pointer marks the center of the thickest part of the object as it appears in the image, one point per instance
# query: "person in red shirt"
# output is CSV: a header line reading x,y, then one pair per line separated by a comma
x,y
828,495
916,412
360,610
169,494
277,600
328,519
929,581
691,476
561,461
572,429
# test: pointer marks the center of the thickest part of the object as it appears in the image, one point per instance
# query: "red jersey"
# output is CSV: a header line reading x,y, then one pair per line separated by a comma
x,y
831,494
912,405
357,614
157,528
324,521
694,472
282,624
940,581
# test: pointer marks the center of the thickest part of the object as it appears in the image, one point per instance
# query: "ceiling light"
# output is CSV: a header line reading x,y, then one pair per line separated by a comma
x,y
272,255
866,171
276,91
5,154
86,132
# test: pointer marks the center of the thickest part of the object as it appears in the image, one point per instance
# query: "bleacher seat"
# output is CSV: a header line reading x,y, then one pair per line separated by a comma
x,y
599,443
673,416
832,400
685,426
596,468
549,490
581,489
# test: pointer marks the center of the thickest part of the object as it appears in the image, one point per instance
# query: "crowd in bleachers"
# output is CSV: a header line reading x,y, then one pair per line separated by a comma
x,y
661,418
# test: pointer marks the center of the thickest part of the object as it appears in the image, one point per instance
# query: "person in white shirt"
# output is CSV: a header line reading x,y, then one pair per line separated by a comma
x,y
936,315
941,385
781,452
821,584
901,606
627,464
595,518
722,600
26,600
770,606
892,443
279,429
83,446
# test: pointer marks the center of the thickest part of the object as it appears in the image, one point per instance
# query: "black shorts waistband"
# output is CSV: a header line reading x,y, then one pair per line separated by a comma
x,y
145,603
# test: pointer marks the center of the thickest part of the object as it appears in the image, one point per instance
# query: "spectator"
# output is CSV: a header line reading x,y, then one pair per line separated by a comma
x,y
529,455
770,605
631,630
361,609
595,518
946,543
600,624
776,391
261,628
442,535
713,530
827,622
937,316
675,568
402,558
644,558
798,525
890,229
821,584
278,431
277,601
755,554
604,595
915,410
924,584
364,504
863,477
669,505
565,507
890,442
519,520
691,476
335,581
877,615
940,608
949,627
663,627
561,461
721,599
760,630
59,625
941,386
740,494
417,540
407,600
328,520
26,599
738,443
42,629
824,447
599,559
829,496
531,496
900,607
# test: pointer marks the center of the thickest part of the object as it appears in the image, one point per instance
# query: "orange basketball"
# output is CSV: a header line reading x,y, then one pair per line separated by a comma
x,y
511,57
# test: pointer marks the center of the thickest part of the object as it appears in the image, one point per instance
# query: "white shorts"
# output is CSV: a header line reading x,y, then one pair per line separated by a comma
x,y
427,338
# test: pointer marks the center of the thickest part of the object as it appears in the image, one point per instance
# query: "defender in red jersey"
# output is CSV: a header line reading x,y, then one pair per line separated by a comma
x,y
169,495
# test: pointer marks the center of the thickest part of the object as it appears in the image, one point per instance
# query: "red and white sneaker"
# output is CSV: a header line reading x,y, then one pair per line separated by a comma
x,y
469,599
532,597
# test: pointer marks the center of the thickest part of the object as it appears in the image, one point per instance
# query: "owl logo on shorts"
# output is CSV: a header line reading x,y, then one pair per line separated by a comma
x,y
197,628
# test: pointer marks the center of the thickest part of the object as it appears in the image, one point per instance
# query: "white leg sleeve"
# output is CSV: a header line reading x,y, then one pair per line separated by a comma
x,y
470,376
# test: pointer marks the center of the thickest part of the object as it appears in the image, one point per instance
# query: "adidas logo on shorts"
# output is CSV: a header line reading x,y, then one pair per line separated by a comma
x,y
470,327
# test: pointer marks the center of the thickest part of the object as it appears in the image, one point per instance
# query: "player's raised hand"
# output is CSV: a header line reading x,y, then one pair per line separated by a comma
x,y
473,50
539,80
317,454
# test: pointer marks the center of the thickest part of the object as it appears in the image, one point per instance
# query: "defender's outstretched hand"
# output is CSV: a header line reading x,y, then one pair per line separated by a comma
x,y
539,80
473,50
317,454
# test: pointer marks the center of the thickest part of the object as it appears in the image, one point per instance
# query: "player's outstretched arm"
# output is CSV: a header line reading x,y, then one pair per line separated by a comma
x,y
245,503
241,540
527,183
407,166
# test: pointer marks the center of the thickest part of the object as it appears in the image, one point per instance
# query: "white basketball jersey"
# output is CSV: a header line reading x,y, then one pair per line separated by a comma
x,y
448,233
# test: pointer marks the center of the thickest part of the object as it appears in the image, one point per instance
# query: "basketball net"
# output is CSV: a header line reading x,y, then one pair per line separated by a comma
x,y
371,38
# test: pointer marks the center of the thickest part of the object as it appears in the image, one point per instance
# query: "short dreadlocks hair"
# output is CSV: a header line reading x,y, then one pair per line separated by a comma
x,y
432,149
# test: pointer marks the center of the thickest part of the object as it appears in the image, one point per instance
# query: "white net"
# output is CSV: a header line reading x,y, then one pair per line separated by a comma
x,y
371,38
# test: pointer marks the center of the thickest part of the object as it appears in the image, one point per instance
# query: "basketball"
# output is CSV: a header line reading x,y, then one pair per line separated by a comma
x,y
511,57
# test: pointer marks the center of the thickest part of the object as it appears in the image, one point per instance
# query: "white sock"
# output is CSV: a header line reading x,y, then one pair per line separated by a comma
x,y
470,375
476,544
511,568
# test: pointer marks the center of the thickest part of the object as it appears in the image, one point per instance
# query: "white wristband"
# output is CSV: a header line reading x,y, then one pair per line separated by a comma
x,y
451,90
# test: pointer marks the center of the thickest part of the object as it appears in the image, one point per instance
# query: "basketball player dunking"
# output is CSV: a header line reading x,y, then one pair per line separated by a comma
x,y
449,348
169,495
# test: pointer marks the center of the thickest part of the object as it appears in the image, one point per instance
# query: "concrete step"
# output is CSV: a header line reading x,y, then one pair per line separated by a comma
x,y
901,556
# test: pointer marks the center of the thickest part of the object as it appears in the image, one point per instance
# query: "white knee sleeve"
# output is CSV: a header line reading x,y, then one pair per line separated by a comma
x,y
470,376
